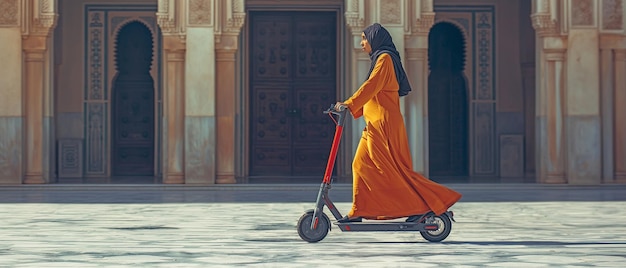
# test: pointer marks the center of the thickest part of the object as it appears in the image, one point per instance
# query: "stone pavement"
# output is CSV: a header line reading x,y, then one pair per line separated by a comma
x,y
255,226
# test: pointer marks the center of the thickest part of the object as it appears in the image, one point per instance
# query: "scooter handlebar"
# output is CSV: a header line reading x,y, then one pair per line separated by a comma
x,y
332,110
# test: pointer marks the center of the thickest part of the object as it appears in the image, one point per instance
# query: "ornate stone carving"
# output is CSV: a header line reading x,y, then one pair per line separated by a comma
x,y
166,19
8,12
427,6
424,23
235,23
95,61
167,25
354,5
354,15
390,12
164,6
484,30
582,12
229,22
96,138
612,15
70,158
45,6
199,12
355,21
544,24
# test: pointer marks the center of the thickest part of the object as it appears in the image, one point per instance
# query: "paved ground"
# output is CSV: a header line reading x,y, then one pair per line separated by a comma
x,y
251,225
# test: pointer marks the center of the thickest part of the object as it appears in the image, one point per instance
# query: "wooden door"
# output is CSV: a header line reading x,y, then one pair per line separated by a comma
x,y
133,104
293,79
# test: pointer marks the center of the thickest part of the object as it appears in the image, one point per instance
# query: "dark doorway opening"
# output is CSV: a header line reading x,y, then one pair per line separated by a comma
x,y
447,104
292,80
133,103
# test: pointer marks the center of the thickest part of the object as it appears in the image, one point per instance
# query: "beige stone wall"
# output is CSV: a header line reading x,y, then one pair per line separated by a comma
x,y
11,96
11,86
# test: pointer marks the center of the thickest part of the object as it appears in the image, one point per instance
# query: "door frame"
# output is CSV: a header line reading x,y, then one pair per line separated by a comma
x,y
242,131
482,95
110,19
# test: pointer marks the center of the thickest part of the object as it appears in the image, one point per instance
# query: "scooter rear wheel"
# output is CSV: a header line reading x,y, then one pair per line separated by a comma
x,y
445,226
313,235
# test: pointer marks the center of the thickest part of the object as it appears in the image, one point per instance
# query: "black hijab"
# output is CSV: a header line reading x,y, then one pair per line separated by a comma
x,y
380,40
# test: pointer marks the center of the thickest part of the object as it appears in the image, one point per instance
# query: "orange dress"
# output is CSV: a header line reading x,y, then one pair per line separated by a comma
x,y
384,183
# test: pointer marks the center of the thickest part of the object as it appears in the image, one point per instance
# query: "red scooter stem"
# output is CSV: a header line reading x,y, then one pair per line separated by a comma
x,y
341,115
333,154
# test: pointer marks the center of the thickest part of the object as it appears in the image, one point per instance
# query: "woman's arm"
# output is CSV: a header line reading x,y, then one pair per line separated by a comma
x,y
381,74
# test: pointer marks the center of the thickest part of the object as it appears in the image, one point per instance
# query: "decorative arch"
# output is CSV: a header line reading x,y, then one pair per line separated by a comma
x,y
117,40
154,32
103,23
127,20
133,104
448,102
463,27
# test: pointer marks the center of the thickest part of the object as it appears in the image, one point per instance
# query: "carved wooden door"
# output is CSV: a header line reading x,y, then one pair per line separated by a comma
x,y
293,79
133,104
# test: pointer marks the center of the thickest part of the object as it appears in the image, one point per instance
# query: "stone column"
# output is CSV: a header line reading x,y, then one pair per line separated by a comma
x,y
549,125
225,105
34,51
174,113
416,103
170,17
41,19
620,114
230,19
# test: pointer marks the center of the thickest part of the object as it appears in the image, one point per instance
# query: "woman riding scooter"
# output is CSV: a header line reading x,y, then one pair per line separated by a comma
x,y
384,183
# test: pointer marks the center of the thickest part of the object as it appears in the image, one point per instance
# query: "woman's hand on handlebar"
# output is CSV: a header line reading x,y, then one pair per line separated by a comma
x,y
340,106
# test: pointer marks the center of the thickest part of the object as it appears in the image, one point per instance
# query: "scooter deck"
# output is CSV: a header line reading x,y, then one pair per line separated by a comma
x,y
385,226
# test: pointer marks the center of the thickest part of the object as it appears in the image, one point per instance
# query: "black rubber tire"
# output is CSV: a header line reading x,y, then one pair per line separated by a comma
x,y
312,236
445,226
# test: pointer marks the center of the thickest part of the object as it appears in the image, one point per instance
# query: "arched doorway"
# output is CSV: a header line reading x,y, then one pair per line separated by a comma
x,y
447,104
132,115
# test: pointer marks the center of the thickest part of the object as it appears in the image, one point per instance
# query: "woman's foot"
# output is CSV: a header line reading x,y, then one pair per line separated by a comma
x,y
348,219
413,218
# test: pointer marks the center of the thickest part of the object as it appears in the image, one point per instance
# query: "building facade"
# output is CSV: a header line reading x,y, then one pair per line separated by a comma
x,y
231,91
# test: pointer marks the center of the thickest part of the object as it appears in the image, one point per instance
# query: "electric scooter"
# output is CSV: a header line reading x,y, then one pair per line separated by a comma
x,y
314,225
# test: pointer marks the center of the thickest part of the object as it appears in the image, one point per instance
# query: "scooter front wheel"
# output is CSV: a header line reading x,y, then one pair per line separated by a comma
x,y
316,234
444,223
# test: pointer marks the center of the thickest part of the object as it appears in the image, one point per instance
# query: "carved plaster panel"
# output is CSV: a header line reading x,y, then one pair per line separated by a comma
x,y
582,12
390,12
200,13
170,14
355,16
544,24
612,14
424,23
9,10
230,17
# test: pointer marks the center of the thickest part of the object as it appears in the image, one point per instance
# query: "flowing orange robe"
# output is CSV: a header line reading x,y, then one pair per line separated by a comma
x,y
384,183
